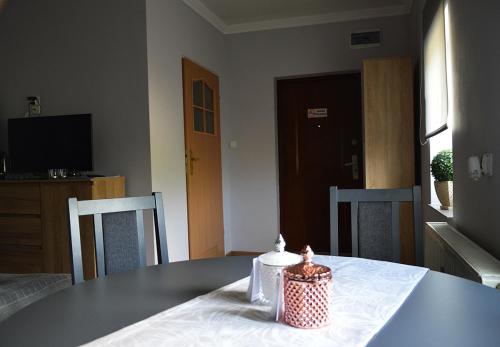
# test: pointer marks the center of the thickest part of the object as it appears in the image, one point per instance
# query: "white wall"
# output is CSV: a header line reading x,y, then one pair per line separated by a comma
x,y
82,56
174,31
256,59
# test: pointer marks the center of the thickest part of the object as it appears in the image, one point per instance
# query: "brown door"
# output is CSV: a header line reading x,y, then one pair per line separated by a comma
x,y
203,161
320,145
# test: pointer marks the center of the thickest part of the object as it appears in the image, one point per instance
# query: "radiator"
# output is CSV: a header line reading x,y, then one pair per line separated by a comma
x,y
446,250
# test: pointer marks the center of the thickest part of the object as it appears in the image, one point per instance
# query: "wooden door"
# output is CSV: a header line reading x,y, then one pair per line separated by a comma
x,y
320,145
203,161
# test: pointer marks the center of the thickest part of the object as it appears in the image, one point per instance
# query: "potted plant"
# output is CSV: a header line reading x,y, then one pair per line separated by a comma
x,y
442,171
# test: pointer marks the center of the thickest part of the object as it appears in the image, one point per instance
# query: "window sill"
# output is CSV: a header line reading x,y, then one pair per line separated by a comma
x,y
446,213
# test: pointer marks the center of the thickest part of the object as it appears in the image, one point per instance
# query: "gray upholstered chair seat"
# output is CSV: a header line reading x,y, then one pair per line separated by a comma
x,y
121,248
20,290
118,233
374,231
375,224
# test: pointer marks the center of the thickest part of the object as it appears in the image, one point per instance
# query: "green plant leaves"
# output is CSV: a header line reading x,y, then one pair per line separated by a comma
x,y
442,166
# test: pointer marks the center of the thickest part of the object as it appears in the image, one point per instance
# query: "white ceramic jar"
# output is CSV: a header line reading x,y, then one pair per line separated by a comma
x,y
271,265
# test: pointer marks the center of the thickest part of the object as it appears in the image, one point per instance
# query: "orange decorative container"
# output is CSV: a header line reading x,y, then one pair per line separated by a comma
x,y
307,293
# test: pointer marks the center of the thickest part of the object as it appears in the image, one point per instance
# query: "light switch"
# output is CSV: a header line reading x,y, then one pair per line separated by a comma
x,y
233,144
475,171
487,164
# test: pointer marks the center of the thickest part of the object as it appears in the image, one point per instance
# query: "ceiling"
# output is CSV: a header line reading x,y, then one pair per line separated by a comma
x,y
234,16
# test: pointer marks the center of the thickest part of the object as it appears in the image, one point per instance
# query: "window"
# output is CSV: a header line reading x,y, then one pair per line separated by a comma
x,y
203,108
436,68
438,75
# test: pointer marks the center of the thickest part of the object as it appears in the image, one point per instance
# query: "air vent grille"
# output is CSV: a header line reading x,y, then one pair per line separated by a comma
x,y
365,39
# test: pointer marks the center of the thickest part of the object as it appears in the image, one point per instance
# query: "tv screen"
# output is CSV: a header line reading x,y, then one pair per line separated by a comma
x,y
37,144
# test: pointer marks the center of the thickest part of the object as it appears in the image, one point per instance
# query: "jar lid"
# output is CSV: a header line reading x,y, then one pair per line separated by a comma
x,y
279,257
307,271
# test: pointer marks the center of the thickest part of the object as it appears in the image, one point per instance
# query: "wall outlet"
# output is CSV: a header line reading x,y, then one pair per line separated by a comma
x,y
34,106
35,110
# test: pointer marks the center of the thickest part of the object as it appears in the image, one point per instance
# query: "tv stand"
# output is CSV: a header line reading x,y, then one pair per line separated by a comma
x,y
9,176
43,177
73,174
34,233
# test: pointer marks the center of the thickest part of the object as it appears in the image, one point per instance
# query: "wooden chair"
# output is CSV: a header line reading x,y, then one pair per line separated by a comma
x,y
118,233
375,221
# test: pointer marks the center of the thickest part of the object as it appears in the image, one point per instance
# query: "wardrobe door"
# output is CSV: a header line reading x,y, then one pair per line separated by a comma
x,y
389,135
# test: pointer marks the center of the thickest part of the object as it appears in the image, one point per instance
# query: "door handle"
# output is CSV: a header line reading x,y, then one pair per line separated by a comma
x,y
355,167
190,159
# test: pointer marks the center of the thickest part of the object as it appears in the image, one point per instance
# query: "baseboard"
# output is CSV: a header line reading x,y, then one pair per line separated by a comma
x,y
240,253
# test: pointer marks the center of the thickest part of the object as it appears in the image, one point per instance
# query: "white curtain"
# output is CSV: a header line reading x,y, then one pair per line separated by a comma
x,y
436,89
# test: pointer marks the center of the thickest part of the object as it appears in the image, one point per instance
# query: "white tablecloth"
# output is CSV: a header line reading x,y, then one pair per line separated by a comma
x,y
366,294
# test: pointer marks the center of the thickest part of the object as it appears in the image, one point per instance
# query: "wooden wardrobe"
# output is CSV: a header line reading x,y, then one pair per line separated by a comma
x,y
389,146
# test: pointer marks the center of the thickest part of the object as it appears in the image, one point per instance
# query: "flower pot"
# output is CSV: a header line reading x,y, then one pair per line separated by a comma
x,y
444,191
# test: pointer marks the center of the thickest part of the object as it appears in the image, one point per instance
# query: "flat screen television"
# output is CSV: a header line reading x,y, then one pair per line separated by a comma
x,y
37,144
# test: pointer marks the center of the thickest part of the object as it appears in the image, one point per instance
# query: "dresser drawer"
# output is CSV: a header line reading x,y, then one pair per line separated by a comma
x,y
19,198
20,230
20,259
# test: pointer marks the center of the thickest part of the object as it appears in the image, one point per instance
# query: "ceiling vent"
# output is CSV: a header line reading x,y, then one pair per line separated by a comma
x,y
366,38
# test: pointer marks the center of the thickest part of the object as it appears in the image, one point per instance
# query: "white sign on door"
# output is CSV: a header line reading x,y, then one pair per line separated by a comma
x,y
317,112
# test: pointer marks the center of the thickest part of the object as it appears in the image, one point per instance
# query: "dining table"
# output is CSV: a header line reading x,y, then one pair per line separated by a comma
x,y
442,310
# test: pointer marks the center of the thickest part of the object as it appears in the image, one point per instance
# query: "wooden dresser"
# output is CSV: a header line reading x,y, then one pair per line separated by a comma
x,y
34,223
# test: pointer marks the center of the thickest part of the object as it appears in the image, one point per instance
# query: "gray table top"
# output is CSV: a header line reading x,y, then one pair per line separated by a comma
x,y
443,310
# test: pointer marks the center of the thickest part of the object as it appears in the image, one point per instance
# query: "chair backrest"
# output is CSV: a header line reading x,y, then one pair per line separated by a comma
x,y
375,220
118,233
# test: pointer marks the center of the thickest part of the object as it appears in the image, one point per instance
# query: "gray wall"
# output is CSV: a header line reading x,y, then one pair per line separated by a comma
x,y
476,50
83,56
256,59
174,31
474,26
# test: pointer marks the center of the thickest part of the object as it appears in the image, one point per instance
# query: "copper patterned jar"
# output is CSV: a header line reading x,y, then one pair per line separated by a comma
x,y
307,291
